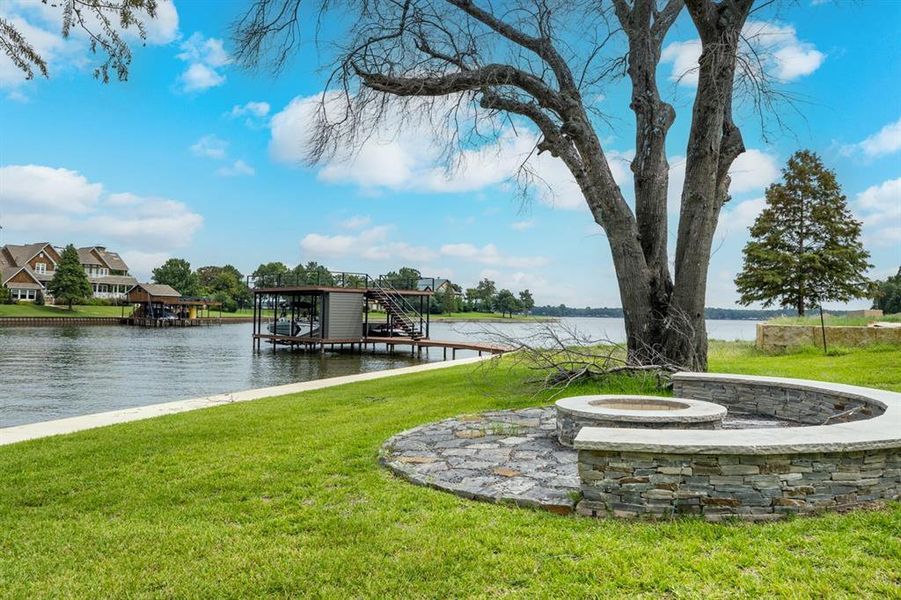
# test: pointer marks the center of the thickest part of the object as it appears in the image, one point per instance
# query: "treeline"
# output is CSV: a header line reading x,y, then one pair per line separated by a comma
x,y
485,297
617,313
224,284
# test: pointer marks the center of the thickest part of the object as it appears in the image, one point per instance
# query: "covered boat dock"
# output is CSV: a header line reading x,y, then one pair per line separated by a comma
x,y
352,312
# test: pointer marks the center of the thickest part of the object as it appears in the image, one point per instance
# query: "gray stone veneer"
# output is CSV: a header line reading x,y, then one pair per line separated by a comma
x,y
847,453
752,487
804,405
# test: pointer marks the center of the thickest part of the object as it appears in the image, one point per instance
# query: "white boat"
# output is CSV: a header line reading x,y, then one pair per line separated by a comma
x,y
285,326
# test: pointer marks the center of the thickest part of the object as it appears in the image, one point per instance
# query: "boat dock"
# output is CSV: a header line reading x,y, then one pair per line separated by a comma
x,y
349,311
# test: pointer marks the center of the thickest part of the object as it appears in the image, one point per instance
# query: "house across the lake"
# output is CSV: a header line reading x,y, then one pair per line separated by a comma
x,y
26,269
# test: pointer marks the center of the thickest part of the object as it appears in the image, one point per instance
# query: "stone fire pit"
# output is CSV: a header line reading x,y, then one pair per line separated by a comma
x,y
635,412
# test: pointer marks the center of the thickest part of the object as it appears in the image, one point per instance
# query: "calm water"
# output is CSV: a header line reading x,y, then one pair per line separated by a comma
x,y
55,372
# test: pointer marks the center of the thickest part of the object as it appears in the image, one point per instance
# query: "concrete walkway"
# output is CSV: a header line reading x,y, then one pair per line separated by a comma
x,y
32,431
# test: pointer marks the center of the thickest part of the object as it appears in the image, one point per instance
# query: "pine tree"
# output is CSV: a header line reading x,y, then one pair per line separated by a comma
x,y
70,284
805,246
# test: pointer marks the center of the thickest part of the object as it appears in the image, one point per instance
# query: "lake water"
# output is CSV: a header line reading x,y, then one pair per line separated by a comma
x,y
54,372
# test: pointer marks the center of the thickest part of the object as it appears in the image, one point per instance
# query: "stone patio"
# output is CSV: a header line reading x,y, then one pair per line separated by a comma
x,y
504,456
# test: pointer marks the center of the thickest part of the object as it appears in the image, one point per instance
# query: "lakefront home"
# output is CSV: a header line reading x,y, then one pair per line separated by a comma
x,y
26,269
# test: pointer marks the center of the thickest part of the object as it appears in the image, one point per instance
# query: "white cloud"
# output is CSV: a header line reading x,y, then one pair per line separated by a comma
x,y
236,169
490,255
141,264
752,170
736,218
44,202
198,77
356,222
523,225
250,109
879,207
210,146
376,244
885,141
371,244
164,28
205,56
31,187
408,157
684,58
776,46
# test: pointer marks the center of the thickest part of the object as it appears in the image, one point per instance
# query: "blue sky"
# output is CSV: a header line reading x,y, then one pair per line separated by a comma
x,y
195,158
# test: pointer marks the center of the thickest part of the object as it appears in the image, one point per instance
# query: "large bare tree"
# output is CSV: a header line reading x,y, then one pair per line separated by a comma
x,y
545,61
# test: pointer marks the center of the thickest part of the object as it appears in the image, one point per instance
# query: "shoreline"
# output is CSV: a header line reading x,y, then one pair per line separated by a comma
x,y
44,429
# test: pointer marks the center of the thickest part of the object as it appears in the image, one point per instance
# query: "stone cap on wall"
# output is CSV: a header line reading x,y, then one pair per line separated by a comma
x,y
883,431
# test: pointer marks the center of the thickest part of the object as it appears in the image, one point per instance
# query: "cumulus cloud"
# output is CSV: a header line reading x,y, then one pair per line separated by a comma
x,y
50,203
775,45
39,23
409,158
356,222
490,255
737,217
253,112
371,244
885,141
205,58
236,169
25,188
377,243
210,146
879,207
753,171
523,225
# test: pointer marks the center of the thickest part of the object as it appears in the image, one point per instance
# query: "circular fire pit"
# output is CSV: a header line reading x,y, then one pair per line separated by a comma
x,y
635,412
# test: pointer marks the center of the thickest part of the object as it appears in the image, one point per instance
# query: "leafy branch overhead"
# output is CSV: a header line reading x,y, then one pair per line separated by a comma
x,y
102,23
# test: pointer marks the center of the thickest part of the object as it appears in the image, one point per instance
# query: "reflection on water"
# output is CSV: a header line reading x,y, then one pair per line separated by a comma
x,y
54,372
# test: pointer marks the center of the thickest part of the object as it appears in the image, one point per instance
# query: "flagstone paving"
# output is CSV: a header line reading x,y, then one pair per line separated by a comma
x,y
504,456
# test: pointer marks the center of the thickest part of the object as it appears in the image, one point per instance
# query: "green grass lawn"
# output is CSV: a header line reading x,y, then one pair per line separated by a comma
x,y
27,309
284,497
834,320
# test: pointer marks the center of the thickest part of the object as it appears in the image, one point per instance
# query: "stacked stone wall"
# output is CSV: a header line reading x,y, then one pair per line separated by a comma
x,y
716,487
794,404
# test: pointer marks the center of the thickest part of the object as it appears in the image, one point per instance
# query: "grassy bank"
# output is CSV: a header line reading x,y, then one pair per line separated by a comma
x,y
284,497
26,309
833,320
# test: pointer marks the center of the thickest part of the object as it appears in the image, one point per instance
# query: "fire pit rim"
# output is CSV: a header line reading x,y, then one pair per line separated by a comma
x,y
690,411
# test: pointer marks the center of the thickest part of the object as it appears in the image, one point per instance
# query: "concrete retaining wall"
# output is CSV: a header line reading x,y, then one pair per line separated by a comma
x,y
782,337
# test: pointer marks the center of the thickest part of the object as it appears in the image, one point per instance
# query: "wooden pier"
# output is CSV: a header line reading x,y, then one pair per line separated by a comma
x,y
361,344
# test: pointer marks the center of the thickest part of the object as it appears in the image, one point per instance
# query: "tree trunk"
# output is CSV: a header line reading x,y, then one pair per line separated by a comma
x,y
713,144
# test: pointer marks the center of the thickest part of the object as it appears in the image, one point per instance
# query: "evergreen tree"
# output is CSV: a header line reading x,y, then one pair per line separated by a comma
x,y
70,284
888,294
805,246
177,273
